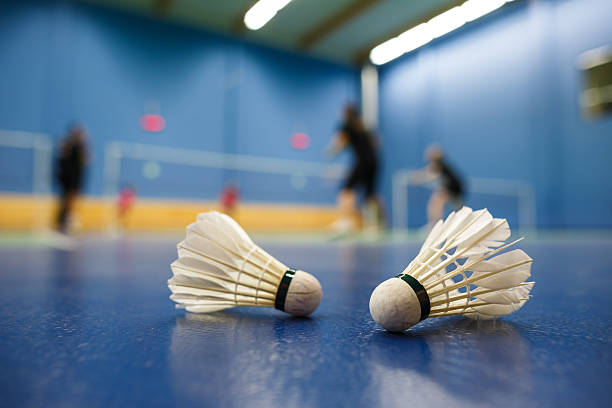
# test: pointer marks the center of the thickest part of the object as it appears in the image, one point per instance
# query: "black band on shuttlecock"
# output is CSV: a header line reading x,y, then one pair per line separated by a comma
x,y
283,288
421,293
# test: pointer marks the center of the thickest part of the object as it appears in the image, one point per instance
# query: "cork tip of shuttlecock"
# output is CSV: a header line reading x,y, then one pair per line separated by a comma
x,y
394,305
304,294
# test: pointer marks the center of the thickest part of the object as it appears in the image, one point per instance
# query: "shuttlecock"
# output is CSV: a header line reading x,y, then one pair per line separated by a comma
x,y
219,267
456,273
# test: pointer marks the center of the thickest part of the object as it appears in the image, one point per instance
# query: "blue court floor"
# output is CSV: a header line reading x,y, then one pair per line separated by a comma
x,y
94,327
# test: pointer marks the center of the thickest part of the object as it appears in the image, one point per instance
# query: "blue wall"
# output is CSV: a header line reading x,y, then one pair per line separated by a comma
x,y
64,61
501,96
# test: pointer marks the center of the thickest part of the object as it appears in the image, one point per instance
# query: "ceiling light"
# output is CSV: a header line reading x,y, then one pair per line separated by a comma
x,y
446,22
436,27
474,9
262,12
408,41
416,37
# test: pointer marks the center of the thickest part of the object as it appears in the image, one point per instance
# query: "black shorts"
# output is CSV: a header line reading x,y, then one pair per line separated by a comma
x,y
453,189
455,195
364,175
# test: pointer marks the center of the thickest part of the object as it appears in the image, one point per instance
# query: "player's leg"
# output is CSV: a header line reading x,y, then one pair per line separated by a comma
x,y
63,210
347,203
435,207
372,210
456,200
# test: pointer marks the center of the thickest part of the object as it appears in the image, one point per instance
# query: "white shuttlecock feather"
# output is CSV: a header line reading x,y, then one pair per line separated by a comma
x,y
219,267
458,271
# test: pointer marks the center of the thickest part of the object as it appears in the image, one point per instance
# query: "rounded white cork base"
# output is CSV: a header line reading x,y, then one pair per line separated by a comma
x,y
304,294
394,305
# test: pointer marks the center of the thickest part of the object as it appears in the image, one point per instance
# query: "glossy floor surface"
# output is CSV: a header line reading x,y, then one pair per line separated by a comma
x,y
93,327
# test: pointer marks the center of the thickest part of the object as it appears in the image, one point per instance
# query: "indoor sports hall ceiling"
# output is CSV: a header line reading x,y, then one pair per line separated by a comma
x,y
340,30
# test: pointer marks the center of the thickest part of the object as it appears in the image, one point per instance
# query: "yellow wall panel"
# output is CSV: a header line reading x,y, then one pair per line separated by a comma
x,y
24,212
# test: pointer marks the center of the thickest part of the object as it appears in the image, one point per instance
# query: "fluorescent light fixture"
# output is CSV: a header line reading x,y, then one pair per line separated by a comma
x,y
387,51
436,27
474,9
262,12
446,22
406,42
415,37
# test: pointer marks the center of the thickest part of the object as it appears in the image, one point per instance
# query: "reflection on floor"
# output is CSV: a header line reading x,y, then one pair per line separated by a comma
x,y
93,325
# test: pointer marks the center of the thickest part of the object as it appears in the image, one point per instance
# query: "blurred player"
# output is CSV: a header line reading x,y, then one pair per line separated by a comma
x,y
125,202
450,187
229,198
355,136
70,171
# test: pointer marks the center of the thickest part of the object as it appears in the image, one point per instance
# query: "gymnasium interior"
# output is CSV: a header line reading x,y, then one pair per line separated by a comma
x,y
189,106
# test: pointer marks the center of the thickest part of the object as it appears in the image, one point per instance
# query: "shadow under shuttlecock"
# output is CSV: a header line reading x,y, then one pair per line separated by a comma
x,y
276,327
249,349
487,359
452,326
244,316
463,325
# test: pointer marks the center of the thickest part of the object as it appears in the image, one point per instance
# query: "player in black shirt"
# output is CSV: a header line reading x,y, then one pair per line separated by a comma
x,y
354,135
450,187
70,169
